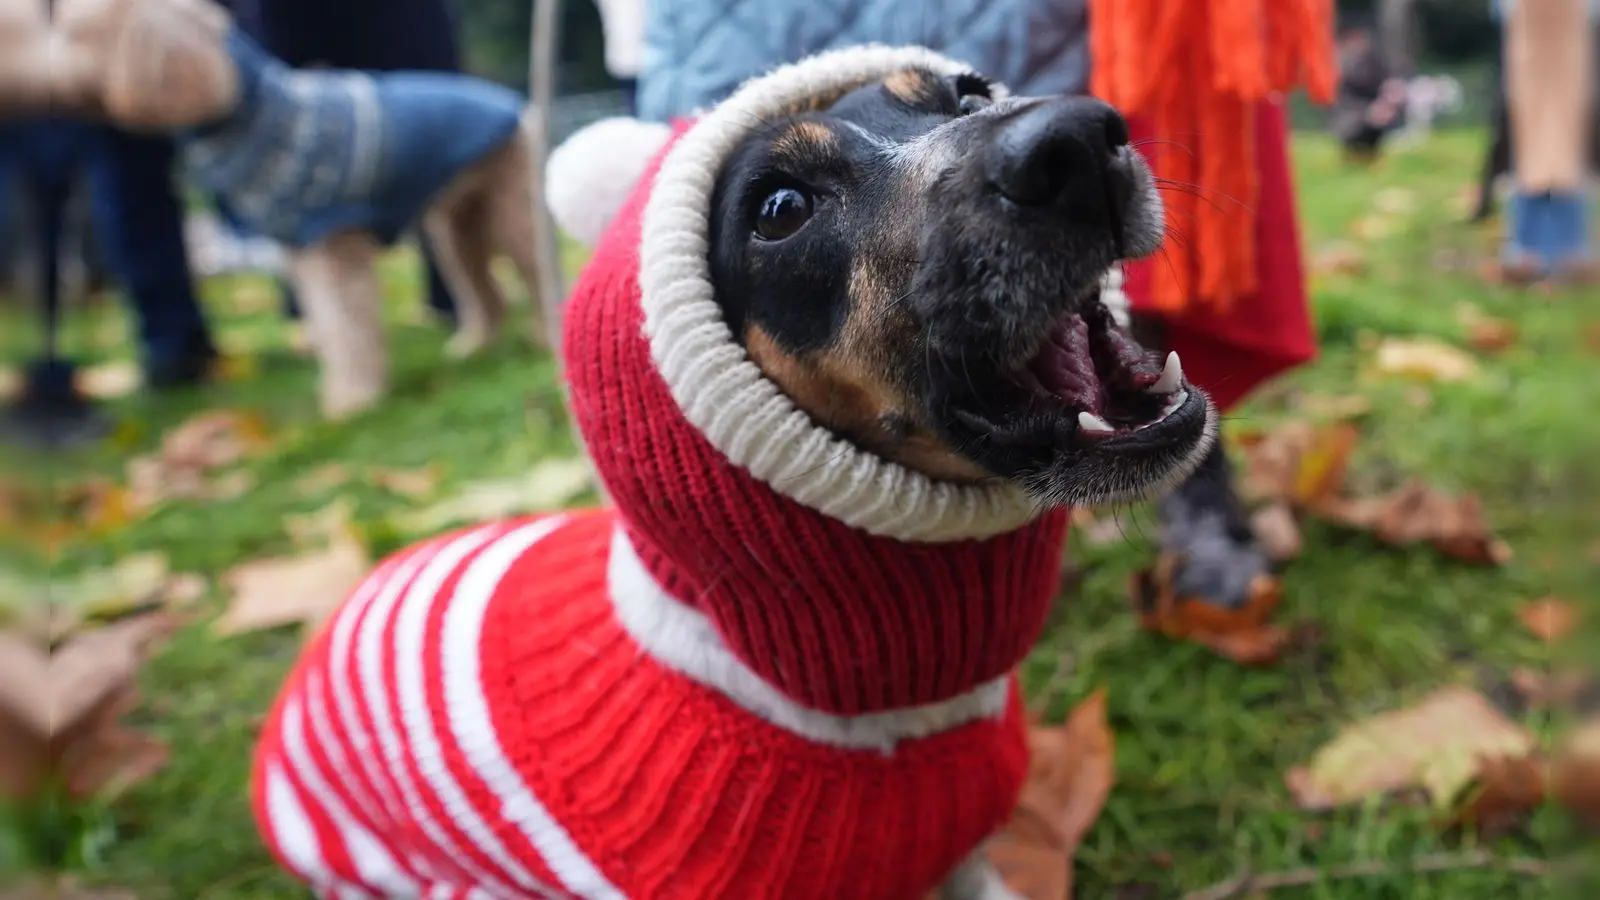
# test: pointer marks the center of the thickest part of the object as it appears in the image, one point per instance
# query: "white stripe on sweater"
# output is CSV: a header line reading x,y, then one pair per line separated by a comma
x,y
375,866
482,574
685,640
370,659
292,831
471,722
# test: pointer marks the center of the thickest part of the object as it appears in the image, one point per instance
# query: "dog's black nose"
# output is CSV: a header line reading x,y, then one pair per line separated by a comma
x,y
1036,154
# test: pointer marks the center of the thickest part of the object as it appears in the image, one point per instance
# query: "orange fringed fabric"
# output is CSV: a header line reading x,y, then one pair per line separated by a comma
x,y
1193,72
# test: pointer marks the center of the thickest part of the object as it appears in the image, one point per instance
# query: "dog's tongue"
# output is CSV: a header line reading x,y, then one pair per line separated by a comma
x,y
1079,363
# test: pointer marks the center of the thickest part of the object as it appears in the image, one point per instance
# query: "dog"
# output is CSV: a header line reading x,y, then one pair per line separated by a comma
x,y
842,361
333,165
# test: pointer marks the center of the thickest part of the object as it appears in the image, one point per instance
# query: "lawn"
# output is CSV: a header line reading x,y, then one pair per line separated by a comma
x,y
1201,743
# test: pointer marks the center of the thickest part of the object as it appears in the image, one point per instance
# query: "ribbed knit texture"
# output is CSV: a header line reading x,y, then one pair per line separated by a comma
x,y
714,691
838,619
375,775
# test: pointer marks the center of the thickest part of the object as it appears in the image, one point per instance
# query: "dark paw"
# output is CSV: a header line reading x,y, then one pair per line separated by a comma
x,y
1215,564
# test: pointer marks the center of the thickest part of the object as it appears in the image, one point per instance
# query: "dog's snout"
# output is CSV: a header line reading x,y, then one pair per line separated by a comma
x,y
1036,156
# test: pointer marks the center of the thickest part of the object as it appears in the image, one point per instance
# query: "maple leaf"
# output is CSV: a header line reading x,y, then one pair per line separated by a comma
x,y
1439,745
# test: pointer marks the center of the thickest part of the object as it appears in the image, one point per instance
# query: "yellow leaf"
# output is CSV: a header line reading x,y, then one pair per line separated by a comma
x,y
1320,470
1425,359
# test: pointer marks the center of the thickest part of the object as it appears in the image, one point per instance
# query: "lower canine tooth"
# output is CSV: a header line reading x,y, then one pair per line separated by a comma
x,y
1171,376
1088,421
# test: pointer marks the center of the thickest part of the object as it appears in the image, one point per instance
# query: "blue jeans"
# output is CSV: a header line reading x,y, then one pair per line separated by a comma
x,y
1551,229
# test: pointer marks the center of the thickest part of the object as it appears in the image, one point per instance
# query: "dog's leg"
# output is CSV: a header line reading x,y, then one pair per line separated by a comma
x,y
459,232
514,220
340,296
1203,523
976,879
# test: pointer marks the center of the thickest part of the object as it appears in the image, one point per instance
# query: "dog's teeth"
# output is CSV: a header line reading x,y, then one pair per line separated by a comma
x,y
1171,376
1088,421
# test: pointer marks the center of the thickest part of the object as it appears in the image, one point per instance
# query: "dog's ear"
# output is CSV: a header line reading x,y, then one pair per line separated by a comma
x,y
168,66
592,173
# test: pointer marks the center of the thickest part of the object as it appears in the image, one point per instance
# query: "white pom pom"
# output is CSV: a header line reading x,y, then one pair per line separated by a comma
x,y
591,174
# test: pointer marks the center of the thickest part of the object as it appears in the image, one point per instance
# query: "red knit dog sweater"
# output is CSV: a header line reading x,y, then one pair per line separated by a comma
x,y
779,667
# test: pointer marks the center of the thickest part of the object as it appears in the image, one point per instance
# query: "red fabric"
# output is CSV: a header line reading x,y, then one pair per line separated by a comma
x,y
667,787
1229,355
837,619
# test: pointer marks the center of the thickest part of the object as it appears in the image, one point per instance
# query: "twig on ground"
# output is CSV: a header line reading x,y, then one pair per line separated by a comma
x,y
1249,882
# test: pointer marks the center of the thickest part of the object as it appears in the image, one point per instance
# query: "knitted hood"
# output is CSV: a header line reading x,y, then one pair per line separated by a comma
x,y
849,582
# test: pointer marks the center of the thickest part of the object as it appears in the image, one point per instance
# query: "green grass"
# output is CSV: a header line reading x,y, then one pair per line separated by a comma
x,y
1202,744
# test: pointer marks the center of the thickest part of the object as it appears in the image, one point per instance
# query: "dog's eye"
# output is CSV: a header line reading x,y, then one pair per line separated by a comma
x,y
971,103
783,213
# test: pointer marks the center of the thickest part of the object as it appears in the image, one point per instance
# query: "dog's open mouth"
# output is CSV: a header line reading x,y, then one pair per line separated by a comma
x,y
1101,385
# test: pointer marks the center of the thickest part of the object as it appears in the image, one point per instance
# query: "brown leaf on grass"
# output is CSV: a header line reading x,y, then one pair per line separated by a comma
x,y
1575,773
292,590
1549,618
324,526
1550,689
1244,635
1297,462
414,483
1275,527
1321,467
1071,770
322,480
1424,359
548,485
1416,513
1339,258
63,709
1438,745
1504,790
1485,333
110,380
183,467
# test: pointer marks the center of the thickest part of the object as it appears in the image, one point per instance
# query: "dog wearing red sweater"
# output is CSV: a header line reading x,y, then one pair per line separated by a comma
x,y
843,357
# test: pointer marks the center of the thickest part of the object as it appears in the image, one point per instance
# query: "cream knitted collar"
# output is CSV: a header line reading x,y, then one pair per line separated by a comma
x,y
722,392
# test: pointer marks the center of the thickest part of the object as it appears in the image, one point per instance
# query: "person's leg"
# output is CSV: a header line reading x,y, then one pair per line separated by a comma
x,y
141,221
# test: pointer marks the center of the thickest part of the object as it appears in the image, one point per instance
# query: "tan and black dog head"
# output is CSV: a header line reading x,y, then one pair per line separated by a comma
x,y
918,266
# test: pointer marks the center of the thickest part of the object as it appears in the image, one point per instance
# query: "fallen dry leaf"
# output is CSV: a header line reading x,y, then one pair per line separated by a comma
x,y
110,380
550,484
1275,527
1243,635
1340,258
183,467
62,708
317,529
1503,791
1424,359
414,483
1437,745
1321,467
322,480
292,590
1550,689
1334,406
1549,618
1070,773
1575,773
1415,513
1491,335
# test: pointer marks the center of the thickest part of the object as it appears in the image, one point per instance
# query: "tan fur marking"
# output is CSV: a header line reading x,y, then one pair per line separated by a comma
x,y
910,85
802,137
842,392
